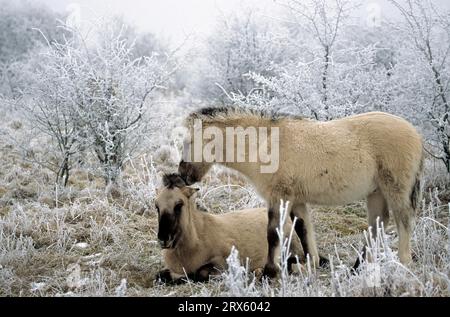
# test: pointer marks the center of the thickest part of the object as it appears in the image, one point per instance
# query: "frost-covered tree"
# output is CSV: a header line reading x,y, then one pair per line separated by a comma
x,y
423,72
103,95
331,75
50,105
19,21
112,104
355,84
241,42
322,21
142,44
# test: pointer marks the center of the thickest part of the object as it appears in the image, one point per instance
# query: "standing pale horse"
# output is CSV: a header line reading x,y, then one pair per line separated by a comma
x,y
375,155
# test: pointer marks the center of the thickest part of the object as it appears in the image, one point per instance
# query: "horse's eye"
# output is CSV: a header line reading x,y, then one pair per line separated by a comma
x,y
177,208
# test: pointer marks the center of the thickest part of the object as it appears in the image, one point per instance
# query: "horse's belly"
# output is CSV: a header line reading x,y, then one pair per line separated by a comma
x,y
332,190
340,198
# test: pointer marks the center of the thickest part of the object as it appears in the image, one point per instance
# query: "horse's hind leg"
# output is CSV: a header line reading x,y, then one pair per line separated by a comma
x,y
305,231
400,202
404,219
377,208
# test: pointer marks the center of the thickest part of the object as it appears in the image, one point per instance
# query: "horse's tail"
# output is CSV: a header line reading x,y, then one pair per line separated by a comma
x,y
416,193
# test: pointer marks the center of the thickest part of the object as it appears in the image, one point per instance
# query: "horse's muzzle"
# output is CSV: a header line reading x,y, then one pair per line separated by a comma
x,y
167,244
164,244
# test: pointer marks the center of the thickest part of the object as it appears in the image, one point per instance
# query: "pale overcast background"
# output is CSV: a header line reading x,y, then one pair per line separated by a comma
x,y
171,19
175,19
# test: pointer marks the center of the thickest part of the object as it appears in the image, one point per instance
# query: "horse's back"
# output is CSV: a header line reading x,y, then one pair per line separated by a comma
x,y
391,139
249,219
247,231
343,160
380,124
393,143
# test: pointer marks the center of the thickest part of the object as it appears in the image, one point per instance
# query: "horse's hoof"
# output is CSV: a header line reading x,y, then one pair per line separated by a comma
x,y
259,273
324,262
356,266
359,260
164,276
270,272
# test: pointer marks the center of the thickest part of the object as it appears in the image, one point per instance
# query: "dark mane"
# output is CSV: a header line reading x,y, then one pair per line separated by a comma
x,y
209,113
173,180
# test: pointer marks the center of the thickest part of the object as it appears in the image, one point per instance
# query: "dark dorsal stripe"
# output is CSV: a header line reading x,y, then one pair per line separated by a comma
x,y
173,180
212,112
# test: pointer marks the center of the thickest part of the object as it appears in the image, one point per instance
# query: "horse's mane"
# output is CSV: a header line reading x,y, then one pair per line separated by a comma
x,y
173,180
209,114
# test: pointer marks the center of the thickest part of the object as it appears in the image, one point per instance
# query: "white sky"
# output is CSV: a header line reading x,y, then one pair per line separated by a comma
x,y
175,19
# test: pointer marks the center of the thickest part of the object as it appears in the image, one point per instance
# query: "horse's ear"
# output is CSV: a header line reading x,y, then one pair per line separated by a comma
x,y
189,191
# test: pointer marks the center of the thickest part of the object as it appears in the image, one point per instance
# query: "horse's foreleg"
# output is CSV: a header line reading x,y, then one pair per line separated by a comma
x,y
168,277
203,273
305,231
270,269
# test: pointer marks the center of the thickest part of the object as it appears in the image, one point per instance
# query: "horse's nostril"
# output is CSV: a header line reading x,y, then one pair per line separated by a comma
x,y
163,244
165,241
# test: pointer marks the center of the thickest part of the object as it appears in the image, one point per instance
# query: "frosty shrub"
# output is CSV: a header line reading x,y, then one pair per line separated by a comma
x,y
93,96
141,187
295,88
422,72
238,280
330,77
243,42
19,40
324,21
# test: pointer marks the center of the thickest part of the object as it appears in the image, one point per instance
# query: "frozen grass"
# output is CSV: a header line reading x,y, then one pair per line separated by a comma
x,y
84,240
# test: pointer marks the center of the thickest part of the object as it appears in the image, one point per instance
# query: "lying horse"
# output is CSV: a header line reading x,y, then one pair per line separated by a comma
x,y
196,243
375,155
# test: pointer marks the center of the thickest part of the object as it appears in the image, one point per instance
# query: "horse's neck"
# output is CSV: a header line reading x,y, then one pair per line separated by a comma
x,y
192,231
247,169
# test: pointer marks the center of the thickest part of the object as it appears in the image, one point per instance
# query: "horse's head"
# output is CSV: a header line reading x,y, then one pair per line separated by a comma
x,y
192,172
173,204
